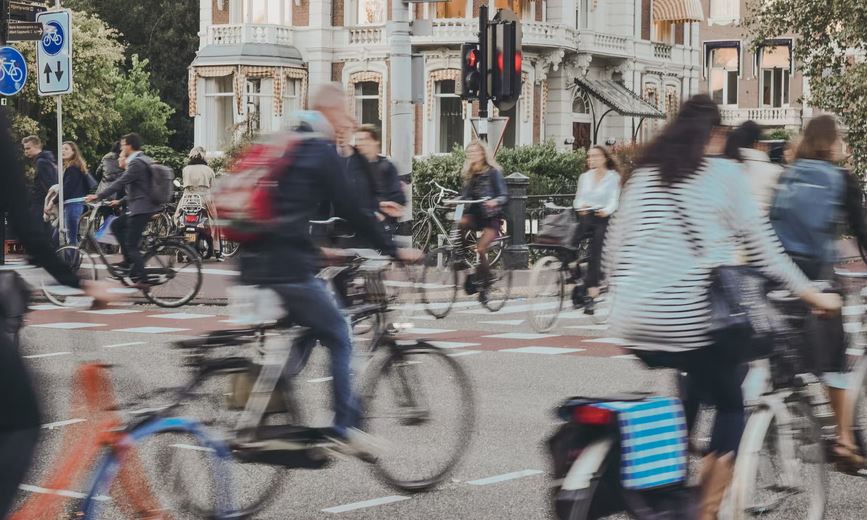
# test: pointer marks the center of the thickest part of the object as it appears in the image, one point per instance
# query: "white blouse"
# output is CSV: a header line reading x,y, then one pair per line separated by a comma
x,y
602,196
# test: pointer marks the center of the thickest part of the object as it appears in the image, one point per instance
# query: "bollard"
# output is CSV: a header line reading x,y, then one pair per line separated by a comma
x,y
517,255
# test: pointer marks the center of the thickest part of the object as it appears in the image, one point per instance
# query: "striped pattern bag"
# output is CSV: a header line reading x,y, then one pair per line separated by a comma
x,y
653,440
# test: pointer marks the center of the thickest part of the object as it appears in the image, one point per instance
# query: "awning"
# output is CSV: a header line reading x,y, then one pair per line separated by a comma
x,y
263,54
622,100
677,11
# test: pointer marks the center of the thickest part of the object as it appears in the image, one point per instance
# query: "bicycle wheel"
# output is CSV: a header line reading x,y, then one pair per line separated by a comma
x,y
780,471
83,265
419,402
422,229
500,288
175,272
495,250
439,282
547,293
230,248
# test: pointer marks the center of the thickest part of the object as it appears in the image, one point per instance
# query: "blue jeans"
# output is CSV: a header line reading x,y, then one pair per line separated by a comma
x,y
310,304
72,214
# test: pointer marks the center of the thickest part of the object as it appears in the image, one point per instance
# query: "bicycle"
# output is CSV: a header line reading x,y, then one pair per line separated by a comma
x,y
174,271
12,69
406,386
439,287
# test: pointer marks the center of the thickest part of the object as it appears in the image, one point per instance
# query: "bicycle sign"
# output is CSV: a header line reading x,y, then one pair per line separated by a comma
x,y
13,71
54,53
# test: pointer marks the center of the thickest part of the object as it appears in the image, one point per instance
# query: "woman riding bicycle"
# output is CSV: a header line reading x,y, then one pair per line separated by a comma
x,y
595,201
682,214
198,178
483,179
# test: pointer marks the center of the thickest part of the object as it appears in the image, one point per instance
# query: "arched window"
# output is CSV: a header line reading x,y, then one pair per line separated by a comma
x,y
580,105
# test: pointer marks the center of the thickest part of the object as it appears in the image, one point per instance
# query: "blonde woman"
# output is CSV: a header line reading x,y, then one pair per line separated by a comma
x,y
483,179
77,183
198,178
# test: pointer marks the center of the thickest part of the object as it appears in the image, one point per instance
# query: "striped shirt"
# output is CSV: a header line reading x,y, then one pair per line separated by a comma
x,y
659,278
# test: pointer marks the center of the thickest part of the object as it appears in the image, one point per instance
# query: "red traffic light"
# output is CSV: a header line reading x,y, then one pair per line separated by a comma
x,y
518,60
500,61
473,58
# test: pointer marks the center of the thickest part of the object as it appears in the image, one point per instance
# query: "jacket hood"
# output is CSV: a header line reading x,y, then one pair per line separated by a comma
x,y
814,166
45,154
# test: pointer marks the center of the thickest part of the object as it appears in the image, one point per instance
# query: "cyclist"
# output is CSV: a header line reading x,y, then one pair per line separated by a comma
x,y
198,178
595,201
682,214
128,229
286,260
389,193
19,410
483,179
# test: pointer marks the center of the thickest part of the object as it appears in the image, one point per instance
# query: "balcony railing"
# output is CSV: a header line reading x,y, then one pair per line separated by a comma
x,y
662,51
766,116
237,34
610,42
367,35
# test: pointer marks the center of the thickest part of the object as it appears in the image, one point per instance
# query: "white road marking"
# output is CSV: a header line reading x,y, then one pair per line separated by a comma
x,y
401,283
853,310
588,327
521,335
423,306
50,354
612,341
60,492
853,327
625,356
503,322
150,330
58,424
365,504
505,477
453,344
192,447
181,316
320,380
69,325
542,350
854,352
423,330
221,272
514,309
465,353
111,312
45,307
130,344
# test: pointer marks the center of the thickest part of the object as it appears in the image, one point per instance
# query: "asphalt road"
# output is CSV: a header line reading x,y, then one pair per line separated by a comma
x,y
518,378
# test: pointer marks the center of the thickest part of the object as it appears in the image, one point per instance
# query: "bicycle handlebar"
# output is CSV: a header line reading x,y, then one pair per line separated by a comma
x,y
332,220
850,274
455,202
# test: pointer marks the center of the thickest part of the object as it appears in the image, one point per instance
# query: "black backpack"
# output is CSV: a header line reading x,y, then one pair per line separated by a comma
x,y
162,190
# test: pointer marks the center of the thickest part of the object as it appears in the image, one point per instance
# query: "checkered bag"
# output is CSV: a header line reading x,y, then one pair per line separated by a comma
x,y
653,442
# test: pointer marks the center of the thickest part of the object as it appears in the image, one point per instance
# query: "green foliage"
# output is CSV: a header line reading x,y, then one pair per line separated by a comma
x,y
141,109
224,162
442,168
777,134
831,50
165,155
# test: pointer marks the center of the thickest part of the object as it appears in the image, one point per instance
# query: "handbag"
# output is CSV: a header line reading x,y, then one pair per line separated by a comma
x,y
557,229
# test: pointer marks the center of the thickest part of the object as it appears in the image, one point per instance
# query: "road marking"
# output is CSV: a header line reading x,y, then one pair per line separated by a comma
x,y
521,335
514,309
365,504
613,341
399,283
182,316
423,306
542,350
130,344
588,327
854,352
69,325
111,312
45,307
505,477
852,327
221,272
58,424
60,492
422,330
453,344
853,310
465,353
320,380
625,356
192,447
150,330
50,354
503,322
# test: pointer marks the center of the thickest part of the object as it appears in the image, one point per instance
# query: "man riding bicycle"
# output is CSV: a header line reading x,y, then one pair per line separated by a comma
x,y
286,260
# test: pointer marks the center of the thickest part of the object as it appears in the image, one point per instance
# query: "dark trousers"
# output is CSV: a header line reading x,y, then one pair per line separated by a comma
x,y
128,229
594,226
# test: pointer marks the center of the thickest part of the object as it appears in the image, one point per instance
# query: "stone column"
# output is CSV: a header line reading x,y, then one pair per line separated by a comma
x,y
517,255
401,111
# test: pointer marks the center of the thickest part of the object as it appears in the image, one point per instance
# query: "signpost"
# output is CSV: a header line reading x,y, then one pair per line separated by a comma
x,y
13,71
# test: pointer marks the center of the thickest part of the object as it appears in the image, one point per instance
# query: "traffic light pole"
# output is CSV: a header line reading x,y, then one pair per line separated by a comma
x,y
483,66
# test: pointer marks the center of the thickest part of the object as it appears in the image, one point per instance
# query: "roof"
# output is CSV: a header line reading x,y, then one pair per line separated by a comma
x,y
677,11
624,101
265,54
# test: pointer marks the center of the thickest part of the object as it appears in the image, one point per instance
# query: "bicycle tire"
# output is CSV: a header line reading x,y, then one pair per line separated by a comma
x,y
541,291
439,279
230,248
500,289
82,263
495,250
400,367
422,229
794,437
166,255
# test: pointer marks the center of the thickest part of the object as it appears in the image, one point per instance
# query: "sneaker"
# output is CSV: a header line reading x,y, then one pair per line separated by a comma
x,y
590,306
358,444
483,296
470,284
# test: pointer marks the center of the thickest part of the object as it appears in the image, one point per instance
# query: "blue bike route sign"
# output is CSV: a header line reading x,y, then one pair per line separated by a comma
x,y
54,53
13,71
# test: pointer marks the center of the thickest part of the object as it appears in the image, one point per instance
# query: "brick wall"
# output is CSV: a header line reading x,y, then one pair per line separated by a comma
x,y
337,72
537,113
220,17
477,4
301,13
336,12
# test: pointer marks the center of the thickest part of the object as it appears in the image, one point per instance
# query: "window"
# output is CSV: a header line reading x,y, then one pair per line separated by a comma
x,y
723,75
450,117
775,62
278,12
453,9
371,12
219,113
663,32
291,88
579,105
367,103
582,14
725,11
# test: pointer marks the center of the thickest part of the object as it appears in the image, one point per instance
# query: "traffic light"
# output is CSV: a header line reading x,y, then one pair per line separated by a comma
x,y
506,59
471,76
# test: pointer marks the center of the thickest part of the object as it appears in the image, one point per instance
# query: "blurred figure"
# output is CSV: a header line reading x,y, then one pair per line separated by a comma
x,y
198,178
595,201
77,183
483,179
682,214
44,177
109,168
808,214
762,174
389,192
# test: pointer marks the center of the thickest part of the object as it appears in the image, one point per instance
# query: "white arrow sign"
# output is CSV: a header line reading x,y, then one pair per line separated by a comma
x,y
54,53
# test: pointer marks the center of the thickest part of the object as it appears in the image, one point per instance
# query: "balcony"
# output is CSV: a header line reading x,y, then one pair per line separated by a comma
x,y
662,51
445,31
239,34
767,116
368,35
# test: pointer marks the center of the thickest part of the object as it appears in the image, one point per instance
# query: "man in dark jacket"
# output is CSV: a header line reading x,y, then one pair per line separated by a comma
x,y
390,197
128,229
45,176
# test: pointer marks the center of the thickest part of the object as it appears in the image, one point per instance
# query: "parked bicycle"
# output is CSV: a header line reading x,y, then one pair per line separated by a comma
x,y
174,271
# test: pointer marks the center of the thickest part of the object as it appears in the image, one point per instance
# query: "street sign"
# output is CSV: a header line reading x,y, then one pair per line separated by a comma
x,y
54,53
25,11
24,31
493,127
13,71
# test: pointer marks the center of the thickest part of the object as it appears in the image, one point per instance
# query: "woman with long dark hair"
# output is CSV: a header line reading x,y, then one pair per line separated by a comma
x,y
595,201
77,183
682,214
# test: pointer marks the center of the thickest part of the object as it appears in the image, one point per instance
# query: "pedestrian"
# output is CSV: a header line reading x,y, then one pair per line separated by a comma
x,y
390,196
809,213
743,145
198,178
77,183
109,167
683,214
129,227
45,176
595,201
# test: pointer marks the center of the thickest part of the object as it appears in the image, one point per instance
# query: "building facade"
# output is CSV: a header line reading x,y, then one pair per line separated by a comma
x,y
763,85
593,70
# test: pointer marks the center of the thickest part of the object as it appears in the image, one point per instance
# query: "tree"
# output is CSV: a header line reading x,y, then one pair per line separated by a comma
x,y
141,109
832,52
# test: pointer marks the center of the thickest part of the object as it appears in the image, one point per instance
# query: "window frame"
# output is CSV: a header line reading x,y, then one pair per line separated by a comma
x,y
210,106
730,15
786,74
582,14
359,99
726,74
438,126
245,10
